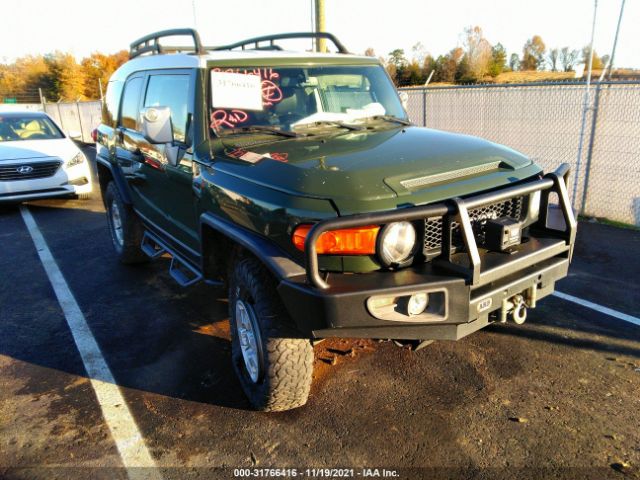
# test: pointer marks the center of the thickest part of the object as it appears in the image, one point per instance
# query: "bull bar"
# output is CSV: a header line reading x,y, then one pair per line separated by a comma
x,y
459,208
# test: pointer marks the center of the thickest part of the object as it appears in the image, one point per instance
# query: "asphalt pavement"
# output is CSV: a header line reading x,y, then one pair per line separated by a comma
x,y
558,397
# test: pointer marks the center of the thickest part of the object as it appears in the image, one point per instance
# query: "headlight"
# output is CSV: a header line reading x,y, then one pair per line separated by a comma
x,y
396,243
77,160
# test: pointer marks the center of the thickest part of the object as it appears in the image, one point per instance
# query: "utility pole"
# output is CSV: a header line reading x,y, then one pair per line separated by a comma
x,y
320,25
615,41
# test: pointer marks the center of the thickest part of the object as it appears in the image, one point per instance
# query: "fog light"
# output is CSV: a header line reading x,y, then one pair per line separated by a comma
x,y
417,303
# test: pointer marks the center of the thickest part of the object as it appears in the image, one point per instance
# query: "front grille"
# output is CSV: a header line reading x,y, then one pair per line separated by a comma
x,y
478,216
37,170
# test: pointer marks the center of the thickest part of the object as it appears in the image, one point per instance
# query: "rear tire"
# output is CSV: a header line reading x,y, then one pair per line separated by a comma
x,y
125,227
273,364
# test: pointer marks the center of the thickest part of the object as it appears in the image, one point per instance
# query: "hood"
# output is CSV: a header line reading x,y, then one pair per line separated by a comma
x,y
62,148
376,170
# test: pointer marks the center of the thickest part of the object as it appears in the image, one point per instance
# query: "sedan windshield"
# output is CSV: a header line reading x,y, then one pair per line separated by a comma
x,y
298,98
15,127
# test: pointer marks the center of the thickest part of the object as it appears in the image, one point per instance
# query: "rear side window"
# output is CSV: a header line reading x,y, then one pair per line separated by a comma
x,y
131,104
111,102
171,91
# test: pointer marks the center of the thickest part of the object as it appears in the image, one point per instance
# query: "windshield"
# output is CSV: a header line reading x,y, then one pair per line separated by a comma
x,y
294,98
16,127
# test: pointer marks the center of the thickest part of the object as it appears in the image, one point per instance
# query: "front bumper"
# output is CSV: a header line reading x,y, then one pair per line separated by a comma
x,y
470,284
64,182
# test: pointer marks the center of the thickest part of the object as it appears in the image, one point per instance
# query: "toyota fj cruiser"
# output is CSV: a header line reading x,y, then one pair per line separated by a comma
x,y
297,181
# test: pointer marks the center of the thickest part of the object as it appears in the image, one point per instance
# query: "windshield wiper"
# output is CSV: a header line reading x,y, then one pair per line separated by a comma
x,y
336,123
392,118
261,128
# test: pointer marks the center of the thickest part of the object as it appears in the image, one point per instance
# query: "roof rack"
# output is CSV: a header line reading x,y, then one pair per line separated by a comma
x,y
151,43
281,36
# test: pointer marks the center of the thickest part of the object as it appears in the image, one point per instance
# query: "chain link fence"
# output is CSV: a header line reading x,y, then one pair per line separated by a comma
x,y
544,122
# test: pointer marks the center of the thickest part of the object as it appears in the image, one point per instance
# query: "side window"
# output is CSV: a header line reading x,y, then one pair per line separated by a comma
x,y
171,91
111,101
130,110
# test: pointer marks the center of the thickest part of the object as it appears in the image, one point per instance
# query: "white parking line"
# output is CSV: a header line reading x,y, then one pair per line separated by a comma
x,y
598,308
131,446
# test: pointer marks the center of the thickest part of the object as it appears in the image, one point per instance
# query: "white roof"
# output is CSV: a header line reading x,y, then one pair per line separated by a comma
x,y
181,60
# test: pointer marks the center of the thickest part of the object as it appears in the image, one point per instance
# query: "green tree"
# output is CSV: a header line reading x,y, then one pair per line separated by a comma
x,y
514,62
446,66
498,62
464,74
397,58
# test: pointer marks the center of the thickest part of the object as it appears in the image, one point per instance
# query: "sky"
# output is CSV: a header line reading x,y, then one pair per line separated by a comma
x,y
81,27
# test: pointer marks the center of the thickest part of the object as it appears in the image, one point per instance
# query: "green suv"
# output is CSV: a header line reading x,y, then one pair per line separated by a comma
x,y
296,180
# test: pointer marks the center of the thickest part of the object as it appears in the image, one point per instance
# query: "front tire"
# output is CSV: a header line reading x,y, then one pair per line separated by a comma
x,y
125,227
273,365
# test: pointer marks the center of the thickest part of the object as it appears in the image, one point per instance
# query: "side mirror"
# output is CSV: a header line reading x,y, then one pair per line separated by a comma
x,y
156,125
74,135
404,99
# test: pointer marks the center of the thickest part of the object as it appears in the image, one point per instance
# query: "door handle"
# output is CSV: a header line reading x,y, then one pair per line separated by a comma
x,y
136,178
137,156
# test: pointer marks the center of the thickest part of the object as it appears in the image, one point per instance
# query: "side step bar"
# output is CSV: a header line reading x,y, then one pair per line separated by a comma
x,y
180,270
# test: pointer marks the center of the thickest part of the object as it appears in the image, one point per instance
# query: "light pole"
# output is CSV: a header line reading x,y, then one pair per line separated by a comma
x,y
585,108
615,40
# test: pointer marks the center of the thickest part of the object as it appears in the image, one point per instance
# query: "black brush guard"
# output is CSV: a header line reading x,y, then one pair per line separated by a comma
x,y
475,273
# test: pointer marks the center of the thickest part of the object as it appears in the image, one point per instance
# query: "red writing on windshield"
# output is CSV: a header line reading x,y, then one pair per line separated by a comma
x,y
271,94
228,118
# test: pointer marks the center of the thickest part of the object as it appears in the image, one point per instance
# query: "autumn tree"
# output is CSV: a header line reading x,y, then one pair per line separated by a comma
x,y
66,77
477,52
598,64
24,77
533,54
370,52
98,68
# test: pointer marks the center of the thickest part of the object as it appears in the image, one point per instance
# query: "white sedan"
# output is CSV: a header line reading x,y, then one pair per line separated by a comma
x,y
37,160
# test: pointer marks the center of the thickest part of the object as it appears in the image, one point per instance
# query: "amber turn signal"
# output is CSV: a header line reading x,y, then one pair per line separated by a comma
x,y
348,241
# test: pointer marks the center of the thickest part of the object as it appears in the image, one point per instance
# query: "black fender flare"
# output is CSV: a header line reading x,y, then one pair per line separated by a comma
x,y
280,264
118,178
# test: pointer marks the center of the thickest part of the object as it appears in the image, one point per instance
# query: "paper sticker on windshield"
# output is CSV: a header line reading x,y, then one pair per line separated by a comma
x,y
236,90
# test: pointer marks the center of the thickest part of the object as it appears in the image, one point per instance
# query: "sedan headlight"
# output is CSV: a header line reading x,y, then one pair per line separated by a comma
x,y
77,160
396,243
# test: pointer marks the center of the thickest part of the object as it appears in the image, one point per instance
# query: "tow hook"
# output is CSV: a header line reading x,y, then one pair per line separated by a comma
x,y
516,307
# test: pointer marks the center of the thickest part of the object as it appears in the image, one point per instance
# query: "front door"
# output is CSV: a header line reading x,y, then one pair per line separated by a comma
x,y
163,191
